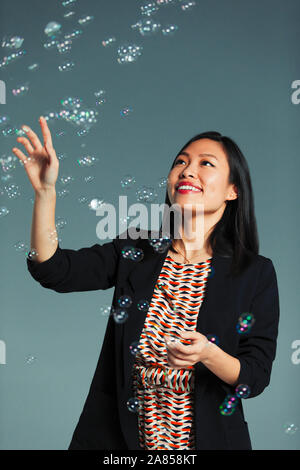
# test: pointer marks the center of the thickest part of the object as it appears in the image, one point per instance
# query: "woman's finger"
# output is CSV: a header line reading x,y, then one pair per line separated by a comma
x,y
46,131
20,155
33,138
26,144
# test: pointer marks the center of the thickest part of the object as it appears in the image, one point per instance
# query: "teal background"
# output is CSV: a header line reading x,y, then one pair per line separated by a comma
x,y
228,68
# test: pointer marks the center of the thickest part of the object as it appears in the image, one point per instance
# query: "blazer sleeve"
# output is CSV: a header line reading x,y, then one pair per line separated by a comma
x,y
85,269
257,348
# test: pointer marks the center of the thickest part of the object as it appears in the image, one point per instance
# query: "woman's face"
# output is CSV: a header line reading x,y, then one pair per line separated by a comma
x,y
208,172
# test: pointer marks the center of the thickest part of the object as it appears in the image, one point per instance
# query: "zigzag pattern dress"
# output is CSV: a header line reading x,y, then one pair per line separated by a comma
x,y
165,395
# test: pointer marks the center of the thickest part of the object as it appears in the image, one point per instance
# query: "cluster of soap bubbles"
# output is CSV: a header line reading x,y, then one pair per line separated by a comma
x,y
128,53
120,313
11,58
230,402
8,163
245,322
132,253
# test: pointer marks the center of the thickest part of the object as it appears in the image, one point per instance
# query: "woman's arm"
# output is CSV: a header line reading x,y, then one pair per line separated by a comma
x,y
252,364
43,230
226,367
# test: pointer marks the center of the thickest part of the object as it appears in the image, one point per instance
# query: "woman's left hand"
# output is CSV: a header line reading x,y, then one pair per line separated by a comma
x,y
181,356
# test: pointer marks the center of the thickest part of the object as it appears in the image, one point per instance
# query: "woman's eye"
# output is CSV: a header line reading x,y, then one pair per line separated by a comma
x,y
204,161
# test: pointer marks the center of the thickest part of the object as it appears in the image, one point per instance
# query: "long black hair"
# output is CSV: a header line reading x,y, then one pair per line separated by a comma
x,y
235,234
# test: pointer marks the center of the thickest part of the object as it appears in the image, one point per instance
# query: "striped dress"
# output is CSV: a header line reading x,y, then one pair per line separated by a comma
x,y
165,395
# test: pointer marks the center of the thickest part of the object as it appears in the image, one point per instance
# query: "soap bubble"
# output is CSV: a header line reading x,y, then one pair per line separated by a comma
x,y
8,163
160,245
146,194
108,41
85,20
187,6
87,160
64,46
4,211
32,254
50,44
75,34
134,347
126,111
105,310
21,90
143,305
290,428
120,315
96,204
30,359
12,191
245,322
69,14
213,339
169,30
67,179
146,26
60,223
67,3
148,8
62,193
242,391
133,404
127,181
33,67
3,120
66,66
12,42
127,252
20,246
137,254
52,28
125,301
229,405
162,182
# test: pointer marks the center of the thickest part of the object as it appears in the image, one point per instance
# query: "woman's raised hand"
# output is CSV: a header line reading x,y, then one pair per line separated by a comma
x,y
41,164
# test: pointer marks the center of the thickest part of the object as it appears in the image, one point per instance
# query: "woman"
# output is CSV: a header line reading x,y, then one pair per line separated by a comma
x,y
195,356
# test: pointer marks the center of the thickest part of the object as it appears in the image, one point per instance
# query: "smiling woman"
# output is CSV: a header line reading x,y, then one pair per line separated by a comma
x,y
147,393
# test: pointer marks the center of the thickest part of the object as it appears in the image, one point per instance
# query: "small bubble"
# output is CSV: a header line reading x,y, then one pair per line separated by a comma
x,y
125,301
133,404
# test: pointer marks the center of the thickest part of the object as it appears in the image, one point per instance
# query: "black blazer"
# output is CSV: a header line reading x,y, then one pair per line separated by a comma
x,y
105,422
